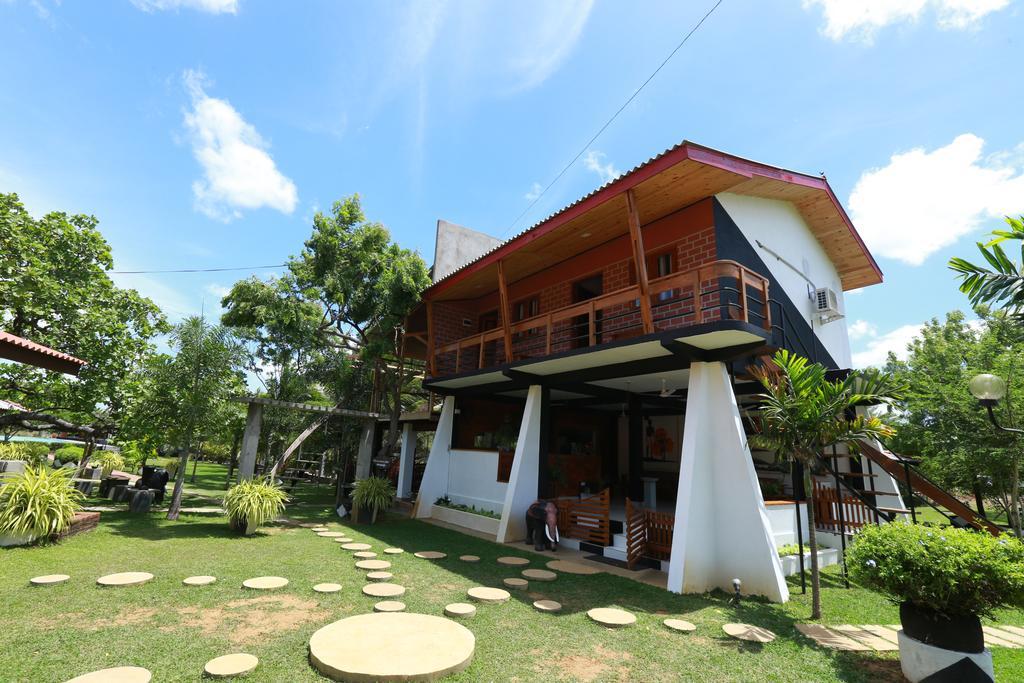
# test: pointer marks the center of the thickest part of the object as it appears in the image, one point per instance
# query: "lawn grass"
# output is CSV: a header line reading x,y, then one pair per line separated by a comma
x,y
51,634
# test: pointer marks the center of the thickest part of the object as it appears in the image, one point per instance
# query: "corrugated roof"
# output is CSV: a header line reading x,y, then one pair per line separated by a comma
x,y
23,350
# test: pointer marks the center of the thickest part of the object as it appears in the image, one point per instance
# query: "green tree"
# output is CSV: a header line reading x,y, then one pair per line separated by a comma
x,y
1002,285
802,413
55,290
940,422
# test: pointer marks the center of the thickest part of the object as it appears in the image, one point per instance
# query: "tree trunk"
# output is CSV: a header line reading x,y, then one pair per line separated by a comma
x,y
86,454
233,461
179,479
812,542
195,463
1015,497
283,460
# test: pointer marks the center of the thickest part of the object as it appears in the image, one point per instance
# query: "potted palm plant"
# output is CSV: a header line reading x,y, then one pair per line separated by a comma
x,y
37,504
944,580
251,504
370,496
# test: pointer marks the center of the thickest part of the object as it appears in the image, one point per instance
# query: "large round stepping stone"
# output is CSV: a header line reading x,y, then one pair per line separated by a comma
x,y
199,580
393,551
513,561
319,529
679,625
356,546
486,594
327,587
516,584
117,674
753,634
469,558
611,617
547,606
330,534
227,666
539,575
124,579
431,555
567,567
462,610
373,565
365,554
389,606
48,580
383,590
379,576
398,646
265,583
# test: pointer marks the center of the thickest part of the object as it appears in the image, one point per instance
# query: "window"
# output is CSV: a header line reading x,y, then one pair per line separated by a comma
x,y
660,266
527,308
488,321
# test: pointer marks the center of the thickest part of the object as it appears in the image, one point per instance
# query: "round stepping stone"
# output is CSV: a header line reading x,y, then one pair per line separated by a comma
x,y
513,561
391,647
611,617
485,594
389,606
462,610
327,587
265,583
469,558
753,634
318,529
365,554
330,534
383,590
539,575
431,555
124,579
117,674
567,567
393,551
547,606
379,576
355,546
679,625
373,565
343,539
227,666
48,580
199,580
516,584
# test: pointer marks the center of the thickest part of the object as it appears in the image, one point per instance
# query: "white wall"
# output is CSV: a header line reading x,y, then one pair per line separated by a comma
x,y
780,227
782,519
435,475
472,479
522,481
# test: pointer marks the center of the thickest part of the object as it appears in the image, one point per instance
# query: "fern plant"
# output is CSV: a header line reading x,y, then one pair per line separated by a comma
x,y
373,494
251,504
40,502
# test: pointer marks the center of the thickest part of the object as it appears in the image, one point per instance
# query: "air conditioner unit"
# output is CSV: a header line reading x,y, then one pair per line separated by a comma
x,y
826,304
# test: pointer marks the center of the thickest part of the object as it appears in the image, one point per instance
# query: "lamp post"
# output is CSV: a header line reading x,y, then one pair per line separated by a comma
x,y
989,390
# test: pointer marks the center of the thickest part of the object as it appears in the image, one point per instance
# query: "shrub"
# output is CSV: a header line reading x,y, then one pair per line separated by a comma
x,y
108,460
446,502
954,572
31,453
253,503
373,494
39,502
790,549
68,454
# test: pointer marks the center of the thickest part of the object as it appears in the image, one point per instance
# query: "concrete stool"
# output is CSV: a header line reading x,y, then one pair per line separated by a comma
x,y
119,493
142,501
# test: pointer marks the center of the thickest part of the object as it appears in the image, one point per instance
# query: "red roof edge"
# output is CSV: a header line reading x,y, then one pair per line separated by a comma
x,y
29,352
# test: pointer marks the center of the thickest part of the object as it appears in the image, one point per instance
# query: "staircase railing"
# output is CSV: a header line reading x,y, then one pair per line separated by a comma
x,y
586,519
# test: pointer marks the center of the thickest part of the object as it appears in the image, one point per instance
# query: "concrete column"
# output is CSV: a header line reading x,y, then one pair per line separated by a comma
x,y
721,529
406,460
523,480
435,476
250,441
364,456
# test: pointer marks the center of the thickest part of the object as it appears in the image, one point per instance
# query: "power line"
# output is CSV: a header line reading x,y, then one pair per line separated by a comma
x,y
615,115
195,270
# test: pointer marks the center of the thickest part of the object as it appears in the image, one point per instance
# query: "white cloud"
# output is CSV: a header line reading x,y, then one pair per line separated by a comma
x,y
861,19
543,51
534,192
606,172
862,328
210,6
923,201
877,349
238,173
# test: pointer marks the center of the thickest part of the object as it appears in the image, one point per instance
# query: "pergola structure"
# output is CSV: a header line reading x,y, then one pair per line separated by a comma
x,y
254,422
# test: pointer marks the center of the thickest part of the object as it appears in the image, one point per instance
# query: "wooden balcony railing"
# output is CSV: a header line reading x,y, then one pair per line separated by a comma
x,y
586,519
721,290
648,533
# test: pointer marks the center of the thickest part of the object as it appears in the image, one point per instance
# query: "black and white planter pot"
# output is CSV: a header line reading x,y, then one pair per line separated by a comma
x,y
933,647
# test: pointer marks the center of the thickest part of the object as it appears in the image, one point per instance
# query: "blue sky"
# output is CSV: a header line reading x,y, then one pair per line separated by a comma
x,y
205,133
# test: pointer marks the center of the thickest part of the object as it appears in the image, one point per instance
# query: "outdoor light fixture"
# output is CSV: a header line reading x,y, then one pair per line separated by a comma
x,y
736,585
989,389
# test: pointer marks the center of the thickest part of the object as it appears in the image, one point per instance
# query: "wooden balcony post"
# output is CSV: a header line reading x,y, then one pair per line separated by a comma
x,y
506,311
592,326
547,345
744,315
431,363
767,308
640,258
480,359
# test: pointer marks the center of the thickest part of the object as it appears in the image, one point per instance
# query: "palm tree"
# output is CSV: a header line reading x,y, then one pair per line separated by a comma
x,y
803,413
1002,286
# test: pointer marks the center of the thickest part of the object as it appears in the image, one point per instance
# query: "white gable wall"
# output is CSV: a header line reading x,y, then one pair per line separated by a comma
x,y
779,226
